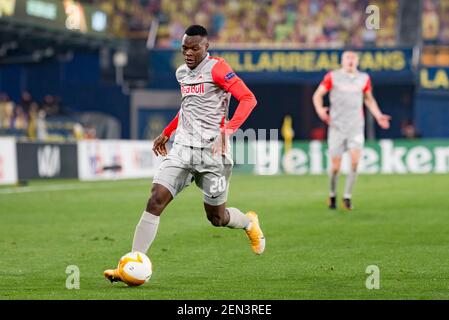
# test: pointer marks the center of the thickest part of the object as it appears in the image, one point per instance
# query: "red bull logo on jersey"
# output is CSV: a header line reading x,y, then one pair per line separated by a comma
x,y
350,87
196,89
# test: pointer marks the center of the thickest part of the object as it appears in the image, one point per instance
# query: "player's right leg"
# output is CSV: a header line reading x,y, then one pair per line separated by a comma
x,y
146,229
336,144
333,179
171,178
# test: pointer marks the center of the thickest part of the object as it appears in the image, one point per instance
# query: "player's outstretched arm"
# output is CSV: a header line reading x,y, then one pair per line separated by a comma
x,y
159,147
382,119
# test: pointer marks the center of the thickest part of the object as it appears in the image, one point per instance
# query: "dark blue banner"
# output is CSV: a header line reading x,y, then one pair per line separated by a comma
x,y
434,80
290,66
431,102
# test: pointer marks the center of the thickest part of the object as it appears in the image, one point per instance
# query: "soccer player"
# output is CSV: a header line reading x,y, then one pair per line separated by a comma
x,y
201,150
348,89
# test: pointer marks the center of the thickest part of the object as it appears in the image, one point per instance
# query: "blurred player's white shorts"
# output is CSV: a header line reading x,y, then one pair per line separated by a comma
x,y
339,141
185,164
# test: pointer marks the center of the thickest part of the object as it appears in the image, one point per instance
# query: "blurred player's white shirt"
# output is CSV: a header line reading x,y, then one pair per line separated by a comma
x,y
346,92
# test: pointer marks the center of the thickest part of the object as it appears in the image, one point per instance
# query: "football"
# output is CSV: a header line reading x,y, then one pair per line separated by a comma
x,y
135,268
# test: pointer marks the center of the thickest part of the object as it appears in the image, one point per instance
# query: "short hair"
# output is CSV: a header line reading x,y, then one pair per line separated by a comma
x,y
350,52
196,30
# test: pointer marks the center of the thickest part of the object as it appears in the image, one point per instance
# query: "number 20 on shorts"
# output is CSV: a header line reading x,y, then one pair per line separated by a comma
x,y
218,185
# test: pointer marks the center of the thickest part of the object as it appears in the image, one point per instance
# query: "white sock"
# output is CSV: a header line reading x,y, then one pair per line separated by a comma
x,y
350,181
333,184
145,232
237,219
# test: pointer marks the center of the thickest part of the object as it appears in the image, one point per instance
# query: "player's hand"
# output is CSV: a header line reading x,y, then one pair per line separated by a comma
x,y
219,146
384,121
159,145
323,113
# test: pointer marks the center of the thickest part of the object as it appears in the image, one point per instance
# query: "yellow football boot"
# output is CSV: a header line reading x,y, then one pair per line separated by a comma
x,y
255,234
112,275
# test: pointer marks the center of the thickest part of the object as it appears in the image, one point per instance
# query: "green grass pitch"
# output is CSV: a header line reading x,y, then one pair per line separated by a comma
x,y
400,224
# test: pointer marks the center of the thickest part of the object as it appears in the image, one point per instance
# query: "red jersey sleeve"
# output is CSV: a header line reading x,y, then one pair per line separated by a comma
x,y
368,86
171,126
327,81
225,77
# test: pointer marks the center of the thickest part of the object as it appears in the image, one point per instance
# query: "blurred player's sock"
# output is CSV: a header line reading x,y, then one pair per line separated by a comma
x,y
350,181
145,232
237,219
333,178
333,202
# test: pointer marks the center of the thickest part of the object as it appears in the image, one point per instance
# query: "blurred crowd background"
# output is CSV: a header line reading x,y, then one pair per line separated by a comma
x,y
435,23
260,23
239,24
267,23
279,23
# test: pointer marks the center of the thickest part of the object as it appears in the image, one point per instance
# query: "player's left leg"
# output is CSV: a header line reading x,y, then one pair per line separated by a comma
x,y
351,178
220,216
356,141
213,178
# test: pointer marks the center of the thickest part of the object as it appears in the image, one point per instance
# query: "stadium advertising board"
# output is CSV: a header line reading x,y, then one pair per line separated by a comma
x,y
46,160
380,157
116,159
434,79
8,163
65,15
389,65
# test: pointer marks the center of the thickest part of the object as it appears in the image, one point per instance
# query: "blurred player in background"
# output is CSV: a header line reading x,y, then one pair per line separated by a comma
x,y
201,150
348,89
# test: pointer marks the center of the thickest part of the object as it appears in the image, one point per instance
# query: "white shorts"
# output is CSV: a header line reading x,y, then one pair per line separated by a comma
x,y
185,164
339,142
